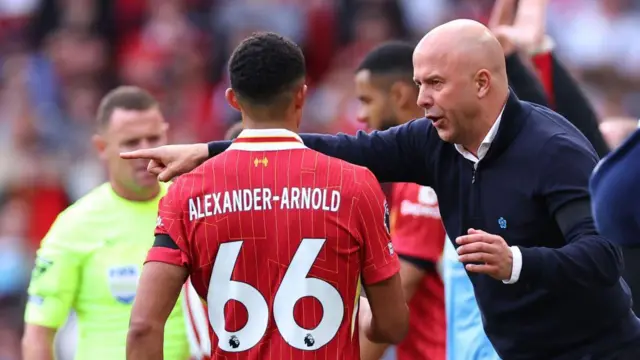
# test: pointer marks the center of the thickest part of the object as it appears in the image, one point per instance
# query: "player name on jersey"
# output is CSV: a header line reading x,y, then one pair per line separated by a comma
x,y
262,199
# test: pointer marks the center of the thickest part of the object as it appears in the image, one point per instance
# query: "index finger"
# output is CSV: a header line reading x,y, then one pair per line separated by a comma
x,y
473,238
150,154
477,231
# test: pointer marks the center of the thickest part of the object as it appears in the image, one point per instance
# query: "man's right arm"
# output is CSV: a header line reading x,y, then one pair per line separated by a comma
x,y
389,321
588,259
37,342
52,290
398,154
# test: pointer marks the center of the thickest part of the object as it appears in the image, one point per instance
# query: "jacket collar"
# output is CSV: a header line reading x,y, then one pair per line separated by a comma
x,y
514,117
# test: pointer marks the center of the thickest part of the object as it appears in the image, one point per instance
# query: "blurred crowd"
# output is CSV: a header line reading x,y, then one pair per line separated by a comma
x,y
58,57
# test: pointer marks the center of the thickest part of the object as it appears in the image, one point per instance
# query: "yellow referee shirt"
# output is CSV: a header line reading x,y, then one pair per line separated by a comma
x,y
90,261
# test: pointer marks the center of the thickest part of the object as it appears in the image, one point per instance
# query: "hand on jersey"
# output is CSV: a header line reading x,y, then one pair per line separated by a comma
x,y
169,161
485,253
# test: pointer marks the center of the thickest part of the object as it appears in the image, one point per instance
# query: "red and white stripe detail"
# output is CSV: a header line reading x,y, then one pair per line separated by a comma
x,y
196,318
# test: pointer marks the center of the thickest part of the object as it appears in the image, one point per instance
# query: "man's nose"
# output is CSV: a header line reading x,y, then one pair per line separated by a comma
x,y
425,100
362,117
144,144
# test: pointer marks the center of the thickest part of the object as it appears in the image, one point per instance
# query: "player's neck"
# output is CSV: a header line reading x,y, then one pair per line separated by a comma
x,y
140,195
266,125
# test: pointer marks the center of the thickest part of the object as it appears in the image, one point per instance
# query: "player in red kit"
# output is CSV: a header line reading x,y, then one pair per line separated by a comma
x,y
277,238
418,237
387,95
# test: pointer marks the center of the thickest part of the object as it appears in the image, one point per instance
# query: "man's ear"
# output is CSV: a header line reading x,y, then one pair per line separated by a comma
x,y
482,82
402,95
300,97
100,144
230,95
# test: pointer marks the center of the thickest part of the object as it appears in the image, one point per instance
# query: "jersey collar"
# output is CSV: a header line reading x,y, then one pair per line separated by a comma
x,y
267,140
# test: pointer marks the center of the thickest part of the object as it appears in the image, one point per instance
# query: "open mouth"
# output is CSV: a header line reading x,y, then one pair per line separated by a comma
x,y
436,120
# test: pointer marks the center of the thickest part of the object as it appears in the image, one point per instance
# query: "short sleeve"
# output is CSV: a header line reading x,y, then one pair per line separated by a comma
x,y
170,244
417,229
55,277
380,261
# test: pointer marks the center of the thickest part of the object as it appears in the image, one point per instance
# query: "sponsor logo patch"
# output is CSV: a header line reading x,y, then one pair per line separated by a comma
x,y
123,282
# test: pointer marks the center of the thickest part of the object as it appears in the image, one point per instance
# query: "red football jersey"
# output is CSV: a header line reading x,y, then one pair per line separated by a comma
x,y
276,238
417,231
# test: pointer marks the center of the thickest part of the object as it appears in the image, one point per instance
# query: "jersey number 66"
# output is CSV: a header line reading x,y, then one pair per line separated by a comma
x,y
295,286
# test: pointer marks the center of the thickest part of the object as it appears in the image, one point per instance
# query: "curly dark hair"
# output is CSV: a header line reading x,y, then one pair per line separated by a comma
x,y
265,68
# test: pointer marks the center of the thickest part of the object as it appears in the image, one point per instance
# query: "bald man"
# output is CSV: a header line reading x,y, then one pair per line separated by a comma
x,y
512,182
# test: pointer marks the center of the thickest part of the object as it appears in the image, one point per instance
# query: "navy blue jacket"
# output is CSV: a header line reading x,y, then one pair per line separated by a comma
x,y
615,188
531,189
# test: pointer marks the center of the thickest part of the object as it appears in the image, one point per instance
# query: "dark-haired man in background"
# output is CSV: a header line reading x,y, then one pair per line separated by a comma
x,y
286,232
387,95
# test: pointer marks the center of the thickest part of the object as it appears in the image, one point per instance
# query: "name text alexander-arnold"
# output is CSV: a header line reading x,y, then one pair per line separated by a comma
x,y
261,199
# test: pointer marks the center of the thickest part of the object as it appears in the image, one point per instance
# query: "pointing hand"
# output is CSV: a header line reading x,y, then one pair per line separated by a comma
x,y
169,161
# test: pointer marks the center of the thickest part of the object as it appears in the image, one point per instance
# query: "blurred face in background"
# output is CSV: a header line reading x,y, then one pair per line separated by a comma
x,y
129,130
76,53
377,109
372,25
616,130
14,215
81,100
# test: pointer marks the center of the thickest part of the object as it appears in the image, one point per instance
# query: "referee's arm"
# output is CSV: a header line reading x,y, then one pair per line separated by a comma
x,y
587,259
52,290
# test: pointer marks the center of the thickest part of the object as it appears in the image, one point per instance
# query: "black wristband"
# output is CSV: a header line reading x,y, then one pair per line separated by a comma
x,y
216,147
212,149
422,264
